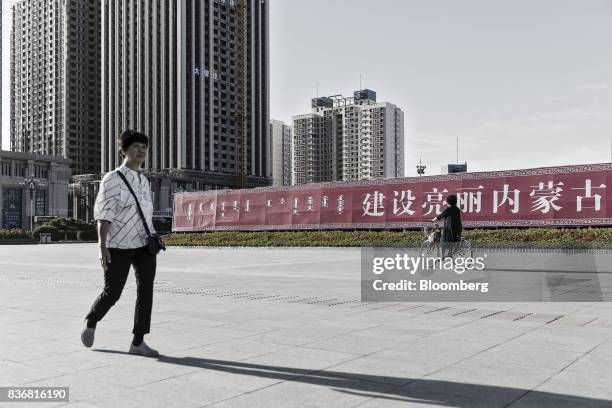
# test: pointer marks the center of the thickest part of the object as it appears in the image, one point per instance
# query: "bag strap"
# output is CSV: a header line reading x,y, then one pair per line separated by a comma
x,y
142,217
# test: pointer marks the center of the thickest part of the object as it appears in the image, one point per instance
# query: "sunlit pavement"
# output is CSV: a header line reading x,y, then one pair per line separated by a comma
x,y
286,328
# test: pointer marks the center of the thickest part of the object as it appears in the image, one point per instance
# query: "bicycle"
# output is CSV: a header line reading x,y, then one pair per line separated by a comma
x,y
433,233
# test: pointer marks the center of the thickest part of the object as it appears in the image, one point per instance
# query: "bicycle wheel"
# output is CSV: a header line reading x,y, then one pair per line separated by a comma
x,y
427,247
465,249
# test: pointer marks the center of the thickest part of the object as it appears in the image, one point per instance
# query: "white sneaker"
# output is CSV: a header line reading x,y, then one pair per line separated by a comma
x,y
87,334
143,350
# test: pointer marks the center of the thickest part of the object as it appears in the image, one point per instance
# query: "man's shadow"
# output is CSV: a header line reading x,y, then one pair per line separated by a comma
x,y
405,389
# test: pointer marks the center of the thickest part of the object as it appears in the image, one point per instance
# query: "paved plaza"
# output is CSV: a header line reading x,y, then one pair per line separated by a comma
x,y
286,328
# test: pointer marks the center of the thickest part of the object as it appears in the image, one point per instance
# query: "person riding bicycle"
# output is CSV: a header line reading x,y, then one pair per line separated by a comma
x,y
451,232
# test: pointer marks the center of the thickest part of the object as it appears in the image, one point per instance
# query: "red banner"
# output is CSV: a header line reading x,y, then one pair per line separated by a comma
x,y
550,196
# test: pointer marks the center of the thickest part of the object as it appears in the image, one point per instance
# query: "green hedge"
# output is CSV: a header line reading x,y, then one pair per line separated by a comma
x,y
67,224
45,229
490,238
71,235
297,238
13,234
60,229
66,231
87,235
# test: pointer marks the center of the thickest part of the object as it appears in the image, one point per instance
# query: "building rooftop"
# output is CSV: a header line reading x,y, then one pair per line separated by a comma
x,y
33,156
365,95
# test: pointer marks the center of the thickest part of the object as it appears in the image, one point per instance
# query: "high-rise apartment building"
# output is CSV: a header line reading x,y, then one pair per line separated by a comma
x,y
55,80
170,70
281,152
344,139
0,75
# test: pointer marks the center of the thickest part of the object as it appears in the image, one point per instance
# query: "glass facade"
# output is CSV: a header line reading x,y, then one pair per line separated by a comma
x,y
12,207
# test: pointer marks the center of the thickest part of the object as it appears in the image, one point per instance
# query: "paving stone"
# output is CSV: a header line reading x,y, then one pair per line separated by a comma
x,y
309,392
538,399
579,384
541,357
492,374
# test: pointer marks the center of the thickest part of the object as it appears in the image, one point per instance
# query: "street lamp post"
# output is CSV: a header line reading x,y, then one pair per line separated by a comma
x,y
420,168
31,184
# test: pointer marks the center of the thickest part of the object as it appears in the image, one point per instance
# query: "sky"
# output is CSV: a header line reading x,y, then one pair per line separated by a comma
x,y
521,83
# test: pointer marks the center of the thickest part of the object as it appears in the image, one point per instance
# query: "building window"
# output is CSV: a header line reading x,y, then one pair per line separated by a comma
x,y
40,171
20,170
40,203
5,169
11,208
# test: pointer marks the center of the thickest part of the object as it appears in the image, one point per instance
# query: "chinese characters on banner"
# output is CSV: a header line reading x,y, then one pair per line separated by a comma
x,y
571,195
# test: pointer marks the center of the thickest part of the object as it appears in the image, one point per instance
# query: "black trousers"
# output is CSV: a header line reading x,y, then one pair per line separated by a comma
x,y
115,277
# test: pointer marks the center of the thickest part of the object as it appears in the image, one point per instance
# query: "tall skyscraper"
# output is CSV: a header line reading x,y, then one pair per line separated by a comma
x,y
172,70
55,80
281,153
345,139
0,75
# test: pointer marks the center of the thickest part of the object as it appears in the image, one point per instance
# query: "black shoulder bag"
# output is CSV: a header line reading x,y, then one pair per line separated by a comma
x,y
154,241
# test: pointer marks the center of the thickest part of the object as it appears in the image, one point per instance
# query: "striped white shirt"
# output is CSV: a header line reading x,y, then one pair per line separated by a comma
x,y
116,204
